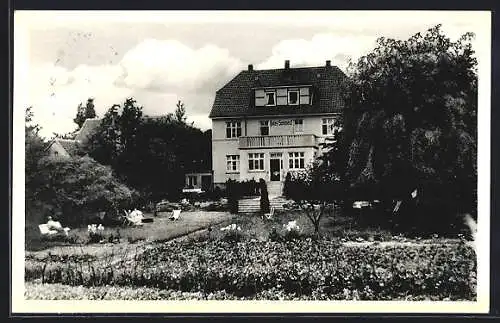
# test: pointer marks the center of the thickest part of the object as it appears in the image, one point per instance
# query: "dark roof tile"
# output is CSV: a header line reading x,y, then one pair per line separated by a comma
x,y
236,98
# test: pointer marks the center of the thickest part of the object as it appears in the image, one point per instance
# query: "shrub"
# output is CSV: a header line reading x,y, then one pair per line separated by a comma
x,y
274,235
236,190
264,197
77,188
232,233
96,233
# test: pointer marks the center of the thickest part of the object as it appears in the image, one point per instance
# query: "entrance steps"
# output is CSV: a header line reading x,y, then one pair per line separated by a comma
x,y
253,205
274,189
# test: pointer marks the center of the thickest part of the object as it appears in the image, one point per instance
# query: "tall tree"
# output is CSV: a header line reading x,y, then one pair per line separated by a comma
x,y
34,149
180,112
85,112
151,154
413,105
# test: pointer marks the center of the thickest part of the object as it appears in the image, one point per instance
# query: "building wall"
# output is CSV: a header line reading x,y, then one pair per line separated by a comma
x,y
245,173
285,125
222,146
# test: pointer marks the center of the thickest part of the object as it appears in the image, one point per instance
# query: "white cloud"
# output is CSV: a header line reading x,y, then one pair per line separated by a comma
x,y
164,65
314,52
55,92
156,73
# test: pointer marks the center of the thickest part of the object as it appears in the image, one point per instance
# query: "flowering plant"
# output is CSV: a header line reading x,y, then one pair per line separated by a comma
x,y
232,227
95,232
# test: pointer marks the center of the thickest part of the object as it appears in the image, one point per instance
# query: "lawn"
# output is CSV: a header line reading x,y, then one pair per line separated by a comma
x,y
162,229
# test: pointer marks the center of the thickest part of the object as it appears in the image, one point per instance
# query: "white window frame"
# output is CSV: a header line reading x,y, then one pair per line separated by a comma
x,y
192,180
330,124
297,92
232,163
256,162
296,160
266,93
296,129
262,124
233,127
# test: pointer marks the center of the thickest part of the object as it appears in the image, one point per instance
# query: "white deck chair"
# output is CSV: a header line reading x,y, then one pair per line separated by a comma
x,y
269,215
45,231
175,215
397,206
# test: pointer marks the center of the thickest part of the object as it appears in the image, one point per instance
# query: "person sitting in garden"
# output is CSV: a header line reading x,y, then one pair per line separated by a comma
x,y
55,227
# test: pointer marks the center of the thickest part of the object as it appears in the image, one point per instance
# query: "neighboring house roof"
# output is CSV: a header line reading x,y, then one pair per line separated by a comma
x,y
236,98
88,128
71,146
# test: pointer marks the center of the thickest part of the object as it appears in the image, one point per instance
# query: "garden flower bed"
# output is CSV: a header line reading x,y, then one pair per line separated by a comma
x,y
297,269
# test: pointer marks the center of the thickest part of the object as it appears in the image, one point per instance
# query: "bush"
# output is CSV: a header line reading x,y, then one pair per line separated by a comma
x,y
77,188
274,235
236,190
264,197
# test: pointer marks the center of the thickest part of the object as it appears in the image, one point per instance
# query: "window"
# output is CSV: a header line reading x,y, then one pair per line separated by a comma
x,y
293,97
328,126
233,129
233,163
264,128
256,161
271,98
296,160
192,180
298,125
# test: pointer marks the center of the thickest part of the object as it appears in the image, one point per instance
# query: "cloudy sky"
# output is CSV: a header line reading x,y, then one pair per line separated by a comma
x,y
161,57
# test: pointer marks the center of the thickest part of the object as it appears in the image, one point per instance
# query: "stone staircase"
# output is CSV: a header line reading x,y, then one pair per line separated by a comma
x,y
274,189
253,205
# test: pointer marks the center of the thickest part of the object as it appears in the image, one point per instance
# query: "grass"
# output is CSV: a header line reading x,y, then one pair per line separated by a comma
x,y
161,229
334,226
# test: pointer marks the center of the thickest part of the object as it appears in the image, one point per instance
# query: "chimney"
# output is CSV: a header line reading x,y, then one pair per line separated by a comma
x,y
287,64
328,63
250,67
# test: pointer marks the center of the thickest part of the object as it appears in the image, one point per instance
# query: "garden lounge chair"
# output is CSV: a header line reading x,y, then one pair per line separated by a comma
x,y
46,231
175,215
269,215
132,219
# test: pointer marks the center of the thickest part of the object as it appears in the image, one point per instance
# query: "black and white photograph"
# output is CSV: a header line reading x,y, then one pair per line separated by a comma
x,y
251,161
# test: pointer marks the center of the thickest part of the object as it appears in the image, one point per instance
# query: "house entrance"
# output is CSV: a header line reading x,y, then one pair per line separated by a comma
x,y
275,166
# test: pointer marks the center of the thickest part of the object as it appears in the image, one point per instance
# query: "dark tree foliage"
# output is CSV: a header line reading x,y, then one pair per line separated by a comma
x,y
180,112
151,154
236,190
34,150
85,112
77,188
264,197
411,123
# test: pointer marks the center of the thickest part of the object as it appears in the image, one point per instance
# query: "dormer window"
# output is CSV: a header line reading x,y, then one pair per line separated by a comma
x,y
270,98
283,96
293,97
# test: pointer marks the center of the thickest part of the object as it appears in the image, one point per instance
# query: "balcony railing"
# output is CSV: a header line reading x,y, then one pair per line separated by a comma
x,y
277,141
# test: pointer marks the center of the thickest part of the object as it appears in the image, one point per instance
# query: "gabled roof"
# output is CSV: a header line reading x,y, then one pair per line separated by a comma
x,y
70,145
88,128
236,98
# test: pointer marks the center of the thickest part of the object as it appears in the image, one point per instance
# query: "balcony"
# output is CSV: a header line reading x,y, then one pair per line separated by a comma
x,y
277,141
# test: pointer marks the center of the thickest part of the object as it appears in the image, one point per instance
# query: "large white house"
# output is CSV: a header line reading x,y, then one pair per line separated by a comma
x,y
266,123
